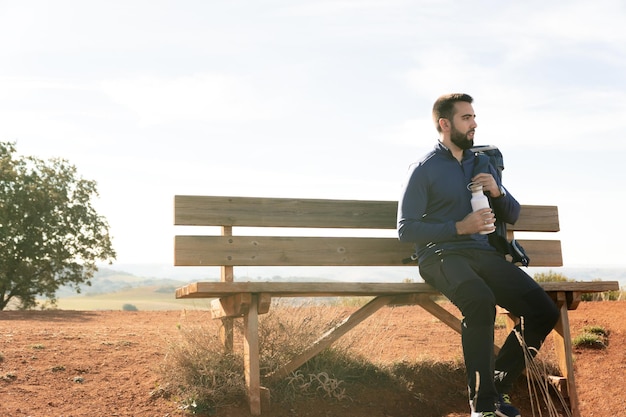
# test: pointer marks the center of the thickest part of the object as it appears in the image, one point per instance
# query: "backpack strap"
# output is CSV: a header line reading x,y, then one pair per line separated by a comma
x,y
485,155
491,155
481,163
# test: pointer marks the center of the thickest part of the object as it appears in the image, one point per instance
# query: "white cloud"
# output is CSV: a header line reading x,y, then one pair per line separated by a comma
x,y
582,22
207,97
413,132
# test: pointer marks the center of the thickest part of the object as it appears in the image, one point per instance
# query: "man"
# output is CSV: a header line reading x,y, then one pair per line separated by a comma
x,y
434,212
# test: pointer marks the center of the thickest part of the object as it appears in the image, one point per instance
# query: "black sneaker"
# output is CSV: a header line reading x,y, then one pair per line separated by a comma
x,y
504,408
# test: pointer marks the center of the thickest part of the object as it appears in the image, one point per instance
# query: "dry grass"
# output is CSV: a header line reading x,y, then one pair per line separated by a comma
x,y
199,374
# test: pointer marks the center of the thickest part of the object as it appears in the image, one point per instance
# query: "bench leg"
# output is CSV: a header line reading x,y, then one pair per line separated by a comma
x,y
251,357
564,352
227,274
226,334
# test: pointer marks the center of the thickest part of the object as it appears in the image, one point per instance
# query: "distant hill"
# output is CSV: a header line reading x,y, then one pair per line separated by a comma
x,y
107,281
152,287
349,274
113,290
144,298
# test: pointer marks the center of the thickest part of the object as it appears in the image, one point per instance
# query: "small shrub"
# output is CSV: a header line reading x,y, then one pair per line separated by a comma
x,y
551,276
201,374
599,330
592,337
351,301
605,296
287,332
129,307
588,340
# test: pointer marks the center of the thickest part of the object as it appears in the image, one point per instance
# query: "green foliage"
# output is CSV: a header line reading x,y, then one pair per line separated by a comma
x,y
595,329
592,337
350,301
603,296
129,307
50,234
551,276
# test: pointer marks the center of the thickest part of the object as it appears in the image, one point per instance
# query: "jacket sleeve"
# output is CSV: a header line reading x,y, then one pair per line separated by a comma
x,y
413,222
506,209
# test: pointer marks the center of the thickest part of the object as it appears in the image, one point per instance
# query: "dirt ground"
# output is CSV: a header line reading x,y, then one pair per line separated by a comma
x,y
75,363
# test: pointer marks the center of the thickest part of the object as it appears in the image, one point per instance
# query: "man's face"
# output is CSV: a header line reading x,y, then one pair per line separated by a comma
x,y
463,125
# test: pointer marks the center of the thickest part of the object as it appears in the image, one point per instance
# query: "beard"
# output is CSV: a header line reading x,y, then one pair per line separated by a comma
x,y
461,139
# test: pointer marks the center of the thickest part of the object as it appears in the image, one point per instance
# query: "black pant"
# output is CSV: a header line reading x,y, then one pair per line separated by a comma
x,y
475,281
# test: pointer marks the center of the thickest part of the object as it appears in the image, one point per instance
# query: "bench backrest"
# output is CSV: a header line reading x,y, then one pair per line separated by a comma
x,y
232,212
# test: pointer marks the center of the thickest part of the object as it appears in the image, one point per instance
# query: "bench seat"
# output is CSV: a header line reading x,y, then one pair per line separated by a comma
x,y
352,289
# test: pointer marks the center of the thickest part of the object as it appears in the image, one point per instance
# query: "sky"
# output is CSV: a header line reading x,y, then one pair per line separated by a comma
x,y
317,99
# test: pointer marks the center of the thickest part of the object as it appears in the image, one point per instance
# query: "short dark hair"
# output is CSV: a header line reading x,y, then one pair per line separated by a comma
x,y
444,106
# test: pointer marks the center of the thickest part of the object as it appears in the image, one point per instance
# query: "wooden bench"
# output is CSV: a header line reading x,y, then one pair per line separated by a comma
x,y
249,299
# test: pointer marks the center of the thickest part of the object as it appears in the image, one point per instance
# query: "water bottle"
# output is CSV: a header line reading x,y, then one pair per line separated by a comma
x,y
479,201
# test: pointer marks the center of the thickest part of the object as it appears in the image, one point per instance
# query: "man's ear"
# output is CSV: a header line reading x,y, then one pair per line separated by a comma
x,y
444,124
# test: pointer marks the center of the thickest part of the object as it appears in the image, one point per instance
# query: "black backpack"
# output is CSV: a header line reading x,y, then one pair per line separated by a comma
x,y
486,155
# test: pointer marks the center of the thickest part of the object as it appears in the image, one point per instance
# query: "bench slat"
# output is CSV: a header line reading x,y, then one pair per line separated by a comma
x,y
283,212
537,219
318,213
333,289
582,287
318,251
543,252
300,289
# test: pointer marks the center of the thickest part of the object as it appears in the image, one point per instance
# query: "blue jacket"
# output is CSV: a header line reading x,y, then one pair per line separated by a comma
x,y
435,196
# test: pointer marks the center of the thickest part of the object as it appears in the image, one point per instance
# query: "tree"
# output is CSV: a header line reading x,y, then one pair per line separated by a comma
x,y
50,234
